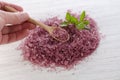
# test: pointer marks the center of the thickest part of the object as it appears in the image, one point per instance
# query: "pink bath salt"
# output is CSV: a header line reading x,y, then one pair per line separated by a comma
x,y
41,49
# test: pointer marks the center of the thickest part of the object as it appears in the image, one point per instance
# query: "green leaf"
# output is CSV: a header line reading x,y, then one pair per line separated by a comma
x,y
81,25
70,19
68,16
82,16
86,22
64,24
74,20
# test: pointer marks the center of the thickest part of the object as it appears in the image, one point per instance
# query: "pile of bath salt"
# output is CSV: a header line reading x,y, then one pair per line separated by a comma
x,y
41,49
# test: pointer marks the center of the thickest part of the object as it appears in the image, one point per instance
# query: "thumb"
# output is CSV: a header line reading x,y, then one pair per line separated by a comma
x,y
13,18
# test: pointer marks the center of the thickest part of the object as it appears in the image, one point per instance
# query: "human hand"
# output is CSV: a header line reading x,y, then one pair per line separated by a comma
x,y
13,26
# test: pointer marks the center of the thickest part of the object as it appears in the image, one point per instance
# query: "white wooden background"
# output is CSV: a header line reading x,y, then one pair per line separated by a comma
x,y
104,64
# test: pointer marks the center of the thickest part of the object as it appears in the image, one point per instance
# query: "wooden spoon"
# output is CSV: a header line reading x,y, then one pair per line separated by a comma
x,y
56,32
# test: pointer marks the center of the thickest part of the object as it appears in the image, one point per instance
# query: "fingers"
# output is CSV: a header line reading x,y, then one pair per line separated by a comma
x,y
28,25
2,4
9,29
8,38
13,18
15,28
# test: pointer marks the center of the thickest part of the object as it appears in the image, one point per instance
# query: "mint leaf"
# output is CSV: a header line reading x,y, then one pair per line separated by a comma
x,y
68,16
74,20
71,19
82,16
86,22
81,25
64,24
